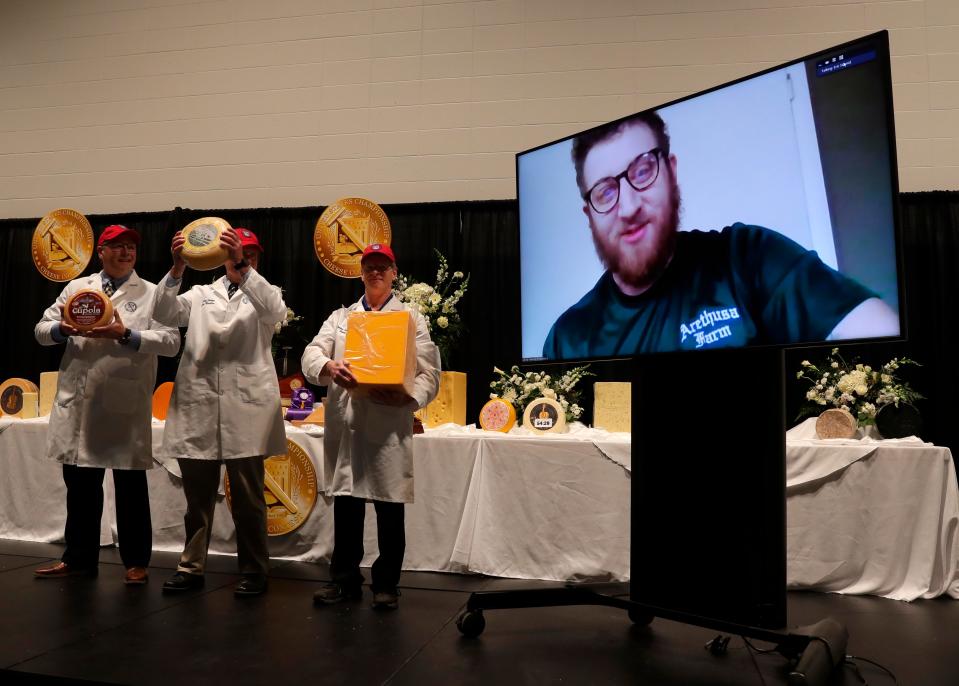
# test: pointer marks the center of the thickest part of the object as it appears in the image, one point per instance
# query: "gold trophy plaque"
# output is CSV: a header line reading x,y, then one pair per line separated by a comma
x,y
289,490
62,245
344,230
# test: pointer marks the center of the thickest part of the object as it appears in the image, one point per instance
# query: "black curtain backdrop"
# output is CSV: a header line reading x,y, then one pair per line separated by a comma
x,y
482,238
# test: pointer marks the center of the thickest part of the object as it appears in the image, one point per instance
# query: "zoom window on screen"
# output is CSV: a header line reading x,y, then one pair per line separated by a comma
x,y
757,213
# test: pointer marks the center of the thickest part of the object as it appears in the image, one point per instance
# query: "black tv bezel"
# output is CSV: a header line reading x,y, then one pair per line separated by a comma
x,y
881,41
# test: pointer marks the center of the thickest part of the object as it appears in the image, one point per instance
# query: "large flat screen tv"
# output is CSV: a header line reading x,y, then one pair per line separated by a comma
x,y
761,212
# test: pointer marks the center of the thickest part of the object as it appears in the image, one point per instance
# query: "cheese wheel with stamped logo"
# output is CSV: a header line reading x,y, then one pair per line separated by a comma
x,y
87,309
201,245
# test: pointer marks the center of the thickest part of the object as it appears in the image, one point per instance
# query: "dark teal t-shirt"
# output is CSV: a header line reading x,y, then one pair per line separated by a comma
x,y
744,285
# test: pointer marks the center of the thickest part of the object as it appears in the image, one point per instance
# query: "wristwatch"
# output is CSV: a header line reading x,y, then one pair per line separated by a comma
x,y
125,338
242,263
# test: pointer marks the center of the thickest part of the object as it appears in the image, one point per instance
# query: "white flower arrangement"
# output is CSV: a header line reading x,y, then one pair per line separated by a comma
x,y
520,388
437,303
855,387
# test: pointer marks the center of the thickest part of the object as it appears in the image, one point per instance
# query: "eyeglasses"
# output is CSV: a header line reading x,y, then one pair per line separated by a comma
x,y
640,174
129,247
381,268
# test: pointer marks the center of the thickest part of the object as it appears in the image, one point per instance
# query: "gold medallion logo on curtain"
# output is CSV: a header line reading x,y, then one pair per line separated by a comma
x,y
62,245
344,229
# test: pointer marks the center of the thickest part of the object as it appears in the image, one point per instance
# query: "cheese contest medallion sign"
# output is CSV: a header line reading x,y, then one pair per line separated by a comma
x,y
289,490
62,245
344,230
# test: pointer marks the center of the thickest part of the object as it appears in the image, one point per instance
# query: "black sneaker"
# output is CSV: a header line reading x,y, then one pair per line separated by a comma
x,y
335,593
181,581
251,585
386,600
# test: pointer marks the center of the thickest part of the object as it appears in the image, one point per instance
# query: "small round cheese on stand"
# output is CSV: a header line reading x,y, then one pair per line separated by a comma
x,y
497,415
201,246
87,309
544,415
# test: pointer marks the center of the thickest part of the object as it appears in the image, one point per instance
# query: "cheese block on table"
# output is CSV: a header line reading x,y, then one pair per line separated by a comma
x,y
48,391
497,415
612,405
381,350
161,400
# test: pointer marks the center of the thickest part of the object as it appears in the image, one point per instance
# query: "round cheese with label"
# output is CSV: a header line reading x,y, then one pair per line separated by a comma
x,y
201,245
544,415
497,415
12,396
87,309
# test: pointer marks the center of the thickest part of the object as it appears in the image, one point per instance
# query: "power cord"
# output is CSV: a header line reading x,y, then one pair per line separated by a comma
x,y
851,661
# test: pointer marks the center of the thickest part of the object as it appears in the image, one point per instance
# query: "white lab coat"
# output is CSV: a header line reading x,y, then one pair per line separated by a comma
x,y
226,399
368,446
103,408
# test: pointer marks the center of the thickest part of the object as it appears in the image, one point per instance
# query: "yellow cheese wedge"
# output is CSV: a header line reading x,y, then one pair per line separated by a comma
x,y
87,309
612,403
381,350
12,396
544,415
48,391
201,247
449,405
497,415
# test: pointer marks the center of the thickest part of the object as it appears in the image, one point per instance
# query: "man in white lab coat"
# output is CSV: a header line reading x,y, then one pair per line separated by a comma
x,y
103,410
368,441
225,406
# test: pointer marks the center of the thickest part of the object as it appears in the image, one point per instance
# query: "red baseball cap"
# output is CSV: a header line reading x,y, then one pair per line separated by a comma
x,y
378,249
115,232
248,239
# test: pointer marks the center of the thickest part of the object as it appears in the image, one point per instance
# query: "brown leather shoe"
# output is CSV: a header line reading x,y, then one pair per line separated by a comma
x,y
59,570
136,576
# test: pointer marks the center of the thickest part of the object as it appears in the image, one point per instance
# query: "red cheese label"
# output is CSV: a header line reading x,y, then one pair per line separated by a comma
x,y
86,309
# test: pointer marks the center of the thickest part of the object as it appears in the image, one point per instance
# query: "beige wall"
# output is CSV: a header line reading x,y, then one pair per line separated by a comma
x,y
136,105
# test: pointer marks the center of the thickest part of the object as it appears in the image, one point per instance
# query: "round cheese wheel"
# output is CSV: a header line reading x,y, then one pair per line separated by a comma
x,y
836,423
497,415
201,247
87,309
544,415
11,396
161,399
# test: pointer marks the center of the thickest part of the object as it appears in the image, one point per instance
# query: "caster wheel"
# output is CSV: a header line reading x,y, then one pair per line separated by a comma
x,y
639,617
471,623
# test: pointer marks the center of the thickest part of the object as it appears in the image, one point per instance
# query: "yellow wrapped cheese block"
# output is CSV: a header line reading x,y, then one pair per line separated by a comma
x,y
48,391
612,405
381,350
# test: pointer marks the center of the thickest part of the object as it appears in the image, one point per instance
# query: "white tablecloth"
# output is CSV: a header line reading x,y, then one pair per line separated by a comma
x,y
872,517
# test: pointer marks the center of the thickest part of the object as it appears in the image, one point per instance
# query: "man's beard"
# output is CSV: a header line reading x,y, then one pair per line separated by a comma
x,y
641,268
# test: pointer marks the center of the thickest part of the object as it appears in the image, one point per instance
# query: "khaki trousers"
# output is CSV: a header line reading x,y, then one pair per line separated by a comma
x,y
200,481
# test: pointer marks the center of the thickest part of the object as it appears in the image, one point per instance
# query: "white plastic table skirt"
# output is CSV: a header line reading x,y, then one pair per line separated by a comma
x,y
877,518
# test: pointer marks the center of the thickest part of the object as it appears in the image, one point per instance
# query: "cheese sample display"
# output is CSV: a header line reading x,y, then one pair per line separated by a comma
x,y
161,399
497,415
87,309
201,245
612,405
48,391
12,396
30,406
544,415
449,405
381,350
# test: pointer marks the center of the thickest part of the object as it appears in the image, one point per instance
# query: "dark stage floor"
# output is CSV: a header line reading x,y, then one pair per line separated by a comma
x,y
79,631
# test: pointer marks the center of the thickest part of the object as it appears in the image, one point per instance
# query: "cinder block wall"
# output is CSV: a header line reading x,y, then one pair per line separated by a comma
x,y
136,105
